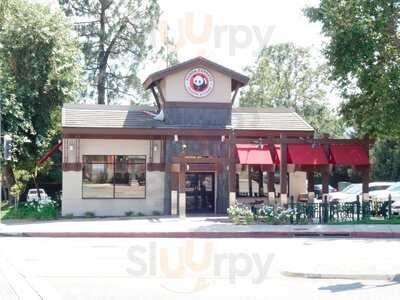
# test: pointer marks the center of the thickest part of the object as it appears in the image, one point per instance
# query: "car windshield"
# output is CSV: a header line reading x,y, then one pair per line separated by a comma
x,y
353,189
378,187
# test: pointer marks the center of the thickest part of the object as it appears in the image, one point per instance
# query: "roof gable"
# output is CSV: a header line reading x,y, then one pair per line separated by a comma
x,y
238,80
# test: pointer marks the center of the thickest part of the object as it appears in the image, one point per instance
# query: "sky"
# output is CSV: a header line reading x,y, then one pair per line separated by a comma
x,y
231,32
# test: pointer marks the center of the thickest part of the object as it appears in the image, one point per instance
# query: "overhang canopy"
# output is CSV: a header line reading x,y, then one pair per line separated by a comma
x,y
352,155
250,154
306,154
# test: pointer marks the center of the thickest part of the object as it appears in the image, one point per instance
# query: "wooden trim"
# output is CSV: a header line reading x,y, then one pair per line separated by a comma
x,y
294,140
137,133
236,89
156,98
156,167
245,136
202,167
186,104
71,166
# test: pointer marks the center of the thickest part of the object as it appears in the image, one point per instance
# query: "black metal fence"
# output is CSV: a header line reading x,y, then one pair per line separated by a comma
x,y
333,212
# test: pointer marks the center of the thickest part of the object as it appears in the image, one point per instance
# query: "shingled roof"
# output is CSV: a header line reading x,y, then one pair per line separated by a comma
x,y
110,116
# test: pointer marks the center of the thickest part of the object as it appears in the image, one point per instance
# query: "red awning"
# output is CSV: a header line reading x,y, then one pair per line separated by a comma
x,y
250,154
351,155
305,154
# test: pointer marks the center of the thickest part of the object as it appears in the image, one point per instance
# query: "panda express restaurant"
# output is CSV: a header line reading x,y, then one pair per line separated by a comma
x,y
193,152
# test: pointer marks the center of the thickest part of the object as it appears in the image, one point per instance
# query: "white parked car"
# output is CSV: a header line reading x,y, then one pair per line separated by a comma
x,y
396,207
33,195
383,195
350,193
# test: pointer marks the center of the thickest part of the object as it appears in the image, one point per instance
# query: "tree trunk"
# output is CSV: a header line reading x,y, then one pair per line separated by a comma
x,y
102,64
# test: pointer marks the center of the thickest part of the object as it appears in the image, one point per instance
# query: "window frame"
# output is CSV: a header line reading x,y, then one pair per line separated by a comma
x,y
113,181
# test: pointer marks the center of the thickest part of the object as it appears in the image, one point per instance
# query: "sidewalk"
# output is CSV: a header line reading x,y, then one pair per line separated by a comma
x,y
202,227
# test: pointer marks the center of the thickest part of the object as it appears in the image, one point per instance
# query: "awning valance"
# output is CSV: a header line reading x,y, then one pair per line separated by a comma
x,y
306,154
250,154
351,155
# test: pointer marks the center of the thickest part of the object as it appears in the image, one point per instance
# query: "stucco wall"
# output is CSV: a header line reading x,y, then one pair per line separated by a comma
x,y
72,201
174,88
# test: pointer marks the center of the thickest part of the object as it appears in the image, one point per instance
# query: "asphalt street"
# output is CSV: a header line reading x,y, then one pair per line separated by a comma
x,y
113,268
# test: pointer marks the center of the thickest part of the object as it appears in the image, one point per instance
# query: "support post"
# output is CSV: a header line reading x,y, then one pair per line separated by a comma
x,y
232,174
250,181
310,186
182,193
174,193
283,171
260,182
325,172
271,187
365,172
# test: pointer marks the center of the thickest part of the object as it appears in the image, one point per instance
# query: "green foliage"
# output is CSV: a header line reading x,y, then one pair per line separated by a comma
x,y
114,39
239,215
363,52
69,216
33,210
156,213
22,178
38,73
386,160
89,214
287,76
129,213
140,214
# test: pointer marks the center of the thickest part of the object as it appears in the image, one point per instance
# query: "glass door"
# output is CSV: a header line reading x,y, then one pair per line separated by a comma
x,y
200,193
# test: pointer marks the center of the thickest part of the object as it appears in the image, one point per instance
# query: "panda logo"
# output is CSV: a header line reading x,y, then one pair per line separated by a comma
x,y
199,82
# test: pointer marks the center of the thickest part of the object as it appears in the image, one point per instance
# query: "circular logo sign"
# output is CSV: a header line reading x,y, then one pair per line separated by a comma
x,y
199,82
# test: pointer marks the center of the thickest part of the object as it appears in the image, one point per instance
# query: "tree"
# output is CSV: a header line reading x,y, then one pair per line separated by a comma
x,y
286,76
38,73
114,40
363,52
386,158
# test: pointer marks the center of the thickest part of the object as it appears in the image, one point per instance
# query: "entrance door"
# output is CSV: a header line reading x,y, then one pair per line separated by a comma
x,y
200,193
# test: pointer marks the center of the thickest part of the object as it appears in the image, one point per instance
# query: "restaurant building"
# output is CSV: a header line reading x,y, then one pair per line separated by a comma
x,y
193,152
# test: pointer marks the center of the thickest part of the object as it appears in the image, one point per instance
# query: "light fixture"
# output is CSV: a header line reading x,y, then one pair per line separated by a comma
x,y
222,138
71,148
175,137
187,167
155,148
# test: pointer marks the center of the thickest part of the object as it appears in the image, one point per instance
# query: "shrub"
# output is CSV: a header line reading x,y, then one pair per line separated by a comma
x,y
240,215
129,213
156,213
45,209
271,215
140,214
69,216
89,214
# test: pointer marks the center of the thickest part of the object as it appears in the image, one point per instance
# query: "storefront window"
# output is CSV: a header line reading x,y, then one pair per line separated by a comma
x,y
109,176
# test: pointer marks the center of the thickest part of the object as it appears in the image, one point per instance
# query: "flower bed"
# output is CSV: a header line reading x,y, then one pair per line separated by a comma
x,y
263,215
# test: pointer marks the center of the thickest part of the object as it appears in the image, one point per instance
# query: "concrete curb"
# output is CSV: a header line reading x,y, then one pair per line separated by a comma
x,y
196,234
386,277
